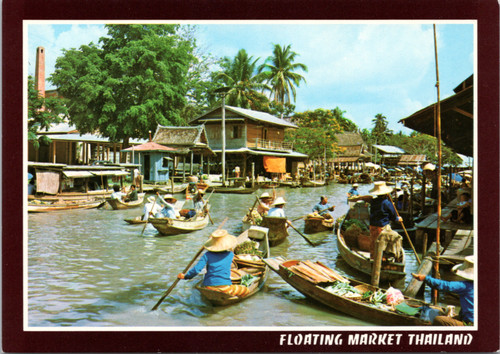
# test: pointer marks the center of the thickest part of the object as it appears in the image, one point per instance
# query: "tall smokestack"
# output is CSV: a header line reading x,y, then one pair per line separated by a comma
x,y
40,71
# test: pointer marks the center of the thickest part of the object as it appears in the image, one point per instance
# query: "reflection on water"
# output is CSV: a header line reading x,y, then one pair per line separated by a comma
x,y
90,268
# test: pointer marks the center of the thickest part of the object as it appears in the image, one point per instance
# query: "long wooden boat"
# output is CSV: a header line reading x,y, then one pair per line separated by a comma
x,y
315,224
312,287
278,230
244,264
43,207
170,227
117,204
311,183
359,259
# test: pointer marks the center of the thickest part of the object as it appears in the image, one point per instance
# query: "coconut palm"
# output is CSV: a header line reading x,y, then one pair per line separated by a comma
x,y
380,129
240,76
279,72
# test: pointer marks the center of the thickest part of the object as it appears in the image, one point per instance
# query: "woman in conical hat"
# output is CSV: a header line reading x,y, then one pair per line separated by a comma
x,y
464,288
265,202
217,260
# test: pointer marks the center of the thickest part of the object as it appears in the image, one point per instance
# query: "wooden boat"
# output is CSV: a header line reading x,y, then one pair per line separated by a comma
x,y
135,221
170,227
42,207
278,230
359,259
314,288
244,266
315,224
177,188
311,183
117,204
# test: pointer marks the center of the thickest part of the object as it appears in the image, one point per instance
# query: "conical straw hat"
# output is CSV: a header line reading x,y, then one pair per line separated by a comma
x,y
220,241
264,195
380,188
279,201
466,269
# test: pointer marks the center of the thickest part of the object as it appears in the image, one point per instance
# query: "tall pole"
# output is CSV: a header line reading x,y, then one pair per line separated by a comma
x,y
223,139
438,125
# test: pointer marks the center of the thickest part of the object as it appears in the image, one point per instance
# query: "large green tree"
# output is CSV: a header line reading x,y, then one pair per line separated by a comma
x,y
42,113
239,75
133,81
279,72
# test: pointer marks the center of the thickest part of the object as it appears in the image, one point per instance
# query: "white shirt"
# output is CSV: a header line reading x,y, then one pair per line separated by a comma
x,y
276,212
117,195
149,207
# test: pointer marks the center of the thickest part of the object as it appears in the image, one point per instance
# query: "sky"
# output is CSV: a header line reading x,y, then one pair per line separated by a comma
x,y
362,67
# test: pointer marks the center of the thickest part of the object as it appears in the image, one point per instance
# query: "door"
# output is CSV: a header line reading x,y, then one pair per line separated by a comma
x,y
147,167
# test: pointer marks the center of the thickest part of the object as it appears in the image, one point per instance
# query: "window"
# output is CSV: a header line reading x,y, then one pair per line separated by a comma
x,y
237,131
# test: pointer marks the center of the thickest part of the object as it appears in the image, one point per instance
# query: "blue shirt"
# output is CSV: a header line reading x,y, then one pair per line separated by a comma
x,y
280,212
218,268
353,191
322,209
465,289
381,212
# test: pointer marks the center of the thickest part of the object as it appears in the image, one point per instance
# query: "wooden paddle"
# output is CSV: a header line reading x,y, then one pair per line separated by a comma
x,y
147,220
404,229
184,271
301,234
205,203
319,212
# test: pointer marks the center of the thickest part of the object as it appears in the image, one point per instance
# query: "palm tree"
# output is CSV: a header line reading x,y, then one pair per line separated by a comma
x,y
279,72
380,131
245,87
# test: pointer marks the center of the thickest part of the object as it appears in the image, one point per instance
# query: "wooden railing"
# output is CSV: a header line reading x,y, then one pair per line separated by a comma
x,y
272,145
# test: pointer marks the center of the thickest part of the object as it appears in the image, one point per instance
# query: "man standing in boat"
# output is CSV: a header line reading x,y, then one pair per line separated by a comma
x,y
382,212
323,207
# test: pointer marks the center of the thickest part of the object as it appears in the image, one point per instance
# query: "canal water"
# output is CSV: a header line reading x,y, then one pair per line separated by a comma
x,y
89,268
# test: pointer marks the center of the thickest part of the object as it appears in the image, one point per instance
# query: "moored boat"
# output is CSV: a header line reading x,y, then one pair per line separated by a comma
x,y
245,266
315,224
177,188
43,207
311,183
170,227
278,230
118,204
319,282
355,251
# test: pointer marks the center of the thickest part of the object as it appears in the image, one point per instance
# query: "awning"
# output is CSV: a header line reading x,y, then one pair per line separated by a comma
x,y
274,164
77,174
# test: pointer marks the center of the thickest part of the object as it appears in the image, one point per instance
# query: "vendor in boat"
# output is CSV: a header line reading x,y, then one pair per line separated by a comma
x,y
132,195
168,201
217,260
323,207
117,193
353,191
265,202
382,211
464,288
278,208
151,208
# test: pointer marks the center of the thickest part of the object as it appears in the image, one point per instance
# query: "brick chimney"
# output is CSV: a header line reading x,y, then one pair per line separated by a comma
x,y
40,71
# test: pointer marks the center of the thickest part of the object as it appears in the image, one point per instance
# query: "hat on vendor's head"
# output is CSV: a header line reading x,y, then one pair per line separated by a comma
x,y
380,188
355,185
169,196
466,269
220,240
151,199
429,167
279,201
264,195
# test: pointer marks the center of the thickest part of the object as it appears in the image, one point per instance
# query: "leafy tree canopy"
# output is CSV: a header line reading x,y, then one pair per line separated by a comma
x,y
42,113
133,81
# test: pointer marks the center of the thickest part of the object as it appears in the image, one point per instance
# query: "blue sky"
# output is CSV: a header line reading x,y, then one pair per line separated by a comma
x,y
364,68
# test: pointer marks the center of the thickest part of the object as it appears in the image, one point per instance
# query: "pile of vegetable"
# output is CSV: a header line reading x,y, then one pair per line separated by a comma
x,y
248,279
348,291
248,247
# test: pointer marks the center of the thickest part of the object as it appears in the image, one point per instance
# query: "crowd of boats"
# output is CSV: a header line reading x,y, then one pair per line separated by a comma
x,y
261,231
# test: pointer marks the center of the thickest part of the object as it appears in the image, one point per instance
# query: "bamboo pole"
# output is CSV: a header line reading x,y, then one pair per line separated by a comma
x,y
438,126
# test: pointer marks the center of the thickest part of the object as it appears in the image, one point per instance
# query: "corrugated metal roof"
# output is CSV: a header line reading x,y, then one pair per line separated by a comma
x,y
247,113
77,174
411,159
390,149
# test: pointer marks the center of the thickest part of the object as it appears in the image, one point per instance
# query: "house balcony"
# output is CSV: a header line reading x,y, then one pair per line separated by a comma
x,y
261,144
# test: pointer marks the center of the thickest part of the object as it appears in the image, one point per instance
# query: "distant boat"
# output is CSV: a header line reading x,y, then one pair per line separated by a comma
x,y
311,183
43,207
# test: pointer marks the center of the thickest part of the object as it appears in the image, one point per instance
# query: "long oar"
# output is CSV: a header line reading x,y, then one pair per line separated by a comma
x,y
319,212
301,234
184,271
404,229
147,220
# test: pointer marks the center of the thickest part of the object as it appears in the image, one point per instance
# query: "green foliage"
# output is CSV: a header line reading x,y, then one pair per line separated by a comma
x,y
316,132
380,132
42,113
134,81
278,71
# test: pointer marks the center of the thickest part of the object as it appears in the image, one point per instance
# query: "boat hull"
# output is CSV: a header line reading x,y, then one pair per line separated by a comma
x,y
314,225
117,204
278,230
350,307
170,227
44,208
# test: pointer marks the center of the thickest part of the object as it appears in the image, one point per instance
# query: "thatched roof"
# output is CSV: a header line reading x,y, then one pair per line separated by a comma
x,y
193,138
349,139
